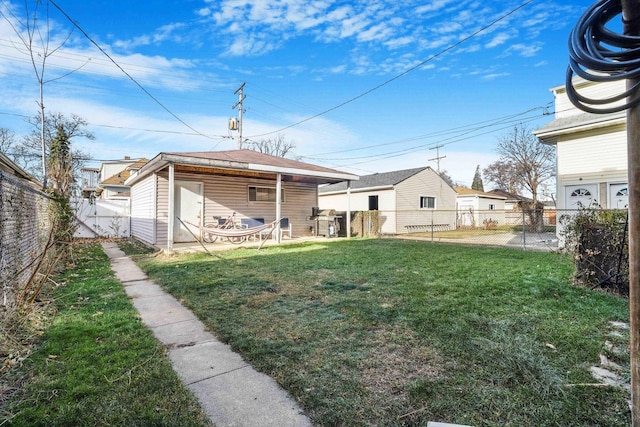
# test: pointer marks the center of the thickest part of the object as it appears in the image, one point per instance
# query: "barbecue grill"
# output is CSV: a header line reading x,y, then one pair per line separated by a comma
x,y
327,223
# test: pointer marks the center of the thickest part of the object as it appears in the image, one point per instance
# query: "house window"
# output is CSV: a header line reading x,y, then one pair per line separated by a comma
x,y
622,192
492,207
581,192
264,194
427,202
373,203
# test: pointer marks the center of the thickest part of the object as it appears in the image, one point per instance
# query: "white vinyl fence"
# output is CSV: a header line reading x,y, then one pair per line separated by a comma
x,y
102,218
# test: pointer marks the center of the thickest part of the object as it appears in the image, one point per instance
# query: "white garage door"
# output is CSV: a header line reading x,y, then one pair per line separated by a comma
x,y
581,196
619,196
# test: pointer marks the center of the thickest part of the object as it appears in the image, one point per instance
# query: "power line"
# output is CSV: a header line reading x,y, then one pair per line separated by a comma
x,y
404,73
470,128
397,153
75,24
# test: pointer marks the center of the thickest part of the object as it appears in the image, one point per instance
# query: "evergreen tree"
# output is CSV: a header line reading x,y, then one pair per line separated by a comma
x,y
477,181
61,178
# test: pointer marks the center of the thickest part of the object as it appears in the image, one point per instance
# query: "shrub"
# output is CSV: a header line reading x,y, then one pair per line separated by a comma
x,y
598,239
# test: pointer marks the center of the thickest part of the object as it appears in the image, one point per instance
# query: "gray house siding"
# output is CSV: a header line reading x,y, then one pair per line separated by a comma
x,y
425,183
224,195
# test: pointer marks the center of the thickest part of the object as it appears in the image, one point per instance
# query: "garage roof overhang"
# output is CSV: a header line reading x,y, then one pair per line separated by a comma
x,y
242,163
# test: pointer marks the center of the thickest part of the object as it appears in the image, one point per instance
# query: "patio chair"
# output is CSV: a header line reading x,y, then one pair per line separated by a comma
x,y
285,228
251,223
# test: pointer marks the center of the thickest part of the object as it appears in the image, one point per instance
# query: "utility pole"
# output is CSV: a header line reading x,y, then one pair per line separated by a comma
x,y
631,22
437,157
241,98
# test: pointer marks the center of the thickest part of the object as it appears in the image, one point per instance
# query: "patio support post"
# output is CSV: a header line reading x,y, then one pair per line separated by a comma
x,y
348,222
278,205
631,21
172,209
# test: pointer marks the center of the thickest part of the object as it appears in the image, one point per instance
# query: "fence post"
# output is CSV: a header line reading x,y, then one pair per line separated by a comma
x,y
431,226
524,230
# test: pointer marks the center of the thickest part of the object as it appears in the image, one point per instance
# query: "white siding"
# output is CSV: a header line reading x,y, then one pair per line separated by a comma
x,y
400,206
601,151
564,107
595,157
143,197
425,183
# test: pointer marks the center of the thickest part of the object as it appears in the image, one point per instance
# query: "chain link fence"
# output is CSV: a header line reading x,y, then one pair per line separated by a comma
x,y
528,230
24,232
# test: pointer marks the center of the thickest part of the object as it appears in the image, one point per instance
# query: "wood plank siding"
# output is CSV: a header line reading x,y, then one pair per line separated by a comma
x,y
143,209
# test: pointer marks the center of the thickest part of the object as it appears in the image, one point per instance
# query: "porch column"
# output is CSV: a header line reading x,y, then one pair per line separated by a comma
x,y
278,205
172,209
348,222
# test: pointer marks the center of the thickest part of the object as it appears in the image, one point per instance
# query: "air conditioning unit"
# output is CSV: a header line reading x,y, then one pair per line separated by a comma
x,y
233,123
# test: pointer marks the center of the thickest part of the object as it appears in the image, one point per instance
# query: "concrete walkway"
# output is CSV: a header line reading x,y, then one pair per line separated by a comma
x,y
229,390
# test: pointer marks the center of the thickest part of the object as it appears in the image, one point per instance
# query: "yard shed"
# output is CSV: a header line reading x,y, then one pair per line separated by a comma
x,y
408,200
198,186
475,207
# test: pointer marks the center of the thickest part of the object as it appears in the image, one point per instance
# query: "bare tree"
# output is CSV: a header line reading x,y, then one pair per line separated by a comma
x,y
277,146
26,153
35,35
504,175
7,141
447,178
532,163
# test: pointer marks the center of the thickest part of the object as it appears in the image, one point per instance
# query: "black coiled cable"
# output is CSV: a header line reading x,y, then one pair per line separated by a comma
x,y
598,54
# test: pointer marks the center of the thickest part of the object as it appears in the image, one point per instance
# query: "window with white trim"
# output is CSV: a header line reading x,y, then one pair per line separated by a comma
x,y
264,194
581,192
427,202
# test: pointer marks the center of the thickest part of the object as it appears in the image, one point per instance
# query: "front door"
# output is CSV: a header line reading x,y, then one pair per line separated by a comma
x,y
188,207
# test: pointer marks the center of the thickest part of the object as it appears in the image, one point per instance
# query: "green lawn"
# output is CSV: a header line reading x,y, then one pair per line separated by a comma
x,y
387,332
96,364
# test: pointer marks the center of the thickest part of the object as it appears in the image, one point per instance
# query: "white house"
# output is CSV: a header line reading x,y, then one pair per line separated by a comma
x,y
591,150
114,173
476,207
408,200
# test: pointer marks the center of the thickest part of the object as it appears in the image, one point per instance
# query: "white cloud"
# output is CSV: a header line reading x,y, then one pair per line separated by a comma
x,y
399,42
498,39
492,76
433,5
526,50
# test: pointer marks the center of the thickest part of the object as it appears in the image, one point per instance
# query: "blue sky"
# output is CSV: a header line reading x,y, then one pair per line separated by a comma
x,y
299,58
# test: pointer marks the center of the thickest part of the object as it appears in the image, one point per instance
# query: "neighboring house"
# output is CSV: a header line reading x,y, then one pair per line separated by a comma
x,y
476,208
591,150
89,179
512,201
198,186
113,175
408,200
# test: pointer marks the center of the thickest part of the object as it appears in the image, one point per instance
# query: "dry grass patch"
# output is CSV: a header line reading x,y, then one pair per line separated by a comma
x,y
396,360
